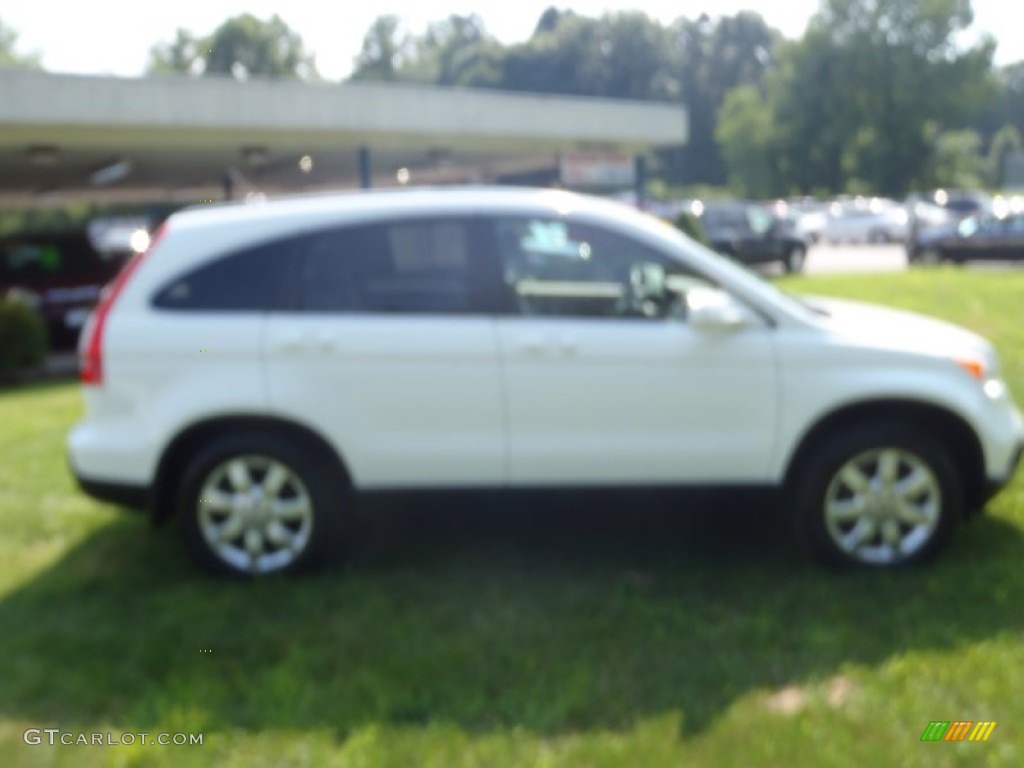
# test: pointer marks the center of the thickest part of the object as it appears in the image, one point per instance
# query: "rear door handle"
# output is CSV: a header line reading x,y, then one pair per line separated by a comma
x,y
530,345
326,341
288,342
568,345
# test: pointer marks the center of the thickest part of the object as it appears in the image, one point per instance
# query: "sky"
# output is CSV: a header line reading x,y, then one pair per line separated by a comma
x,y
114,36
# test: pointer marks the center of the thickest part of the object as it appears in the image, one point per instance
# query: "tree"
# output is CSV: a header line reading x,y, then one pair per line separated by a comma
x,y
1006,143
243,46
957,161
457,51
854,99
185,55
386,50
9,57
710,58
625,55
746,137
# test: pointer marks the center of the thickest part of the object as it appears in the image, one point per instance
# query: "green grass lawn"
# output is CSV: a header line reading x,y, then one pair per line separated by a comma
x,y
487,634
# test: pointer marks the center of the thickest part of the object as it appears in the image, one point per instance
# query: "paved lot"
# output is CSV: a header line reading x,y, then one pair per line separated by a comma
x,y
833,259
838,259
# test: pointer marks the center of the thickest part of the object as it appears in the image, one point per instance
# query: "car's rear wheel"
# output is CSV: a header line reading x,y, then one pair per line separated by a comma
x,y
930,257
877,496
259,503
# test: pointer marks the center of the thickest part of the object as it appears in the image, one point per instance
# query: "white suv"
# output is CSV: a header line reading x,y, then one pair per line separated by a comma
x,y
262,362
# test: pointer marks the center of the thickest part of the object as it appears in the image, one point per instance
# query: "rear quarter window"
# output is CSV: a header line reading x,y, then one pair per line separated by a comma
x,y
251,280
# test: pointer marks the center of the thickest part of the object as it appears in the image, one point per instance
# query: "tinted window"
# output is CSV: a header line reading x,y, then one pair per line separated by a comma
x,y
555,267
30,258
417,266
722,218
249,280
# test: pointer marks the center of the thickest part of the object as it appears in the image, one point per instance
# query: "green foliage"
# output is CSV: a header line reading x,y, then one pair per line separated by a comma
x,y
385,51
243,46
455,51
712,57
690,225
9,57
635,633
1005,143
957,161
22,336
746,137
865,99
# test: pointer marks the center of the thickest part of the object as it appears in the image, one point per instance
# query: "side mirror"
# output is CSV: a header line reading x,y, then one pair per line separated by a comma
x,y
713,311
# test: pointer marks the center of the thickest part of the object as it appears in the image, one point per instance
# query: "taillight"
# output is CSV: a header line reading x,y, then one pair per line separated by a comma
x,y
92,347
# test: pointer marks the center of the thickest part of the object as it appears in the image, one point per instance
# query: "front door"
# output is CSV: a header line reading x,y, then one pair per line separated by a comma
x,y
605,383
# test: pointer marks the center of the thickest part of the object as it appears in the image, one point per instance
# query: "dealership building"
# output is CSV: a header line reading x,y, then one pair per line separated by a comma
x,y
67,138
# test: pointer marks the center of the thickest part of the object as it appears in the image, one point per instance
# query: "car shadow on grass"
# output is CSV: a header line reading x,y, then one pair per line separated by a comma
x,y
591,611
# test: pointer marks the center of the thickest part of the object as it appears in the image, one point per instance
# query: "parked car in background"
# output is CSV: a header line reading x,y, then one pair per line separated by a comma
x,y
958,203
805,216
751,234
810,225
875,221
261,364
976,238
60,274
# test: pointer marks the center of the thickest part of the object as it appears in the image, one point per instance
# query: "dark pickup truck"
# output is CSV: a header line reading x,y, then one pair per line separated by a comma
x,y
60,274
750,234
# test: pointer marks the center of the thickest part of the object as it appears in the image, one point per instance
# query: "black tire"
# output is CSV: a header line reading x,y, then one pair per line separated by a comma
x,y
795,260
818,476
317,477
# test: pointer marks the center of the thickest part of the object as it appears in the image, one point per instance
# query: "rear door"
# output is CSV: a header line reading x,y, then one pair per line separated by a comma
x,y
386,352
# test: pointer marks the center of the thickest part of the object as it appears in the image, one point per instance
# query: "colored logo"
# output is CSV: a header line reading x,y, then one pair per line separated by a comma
x,y
958,730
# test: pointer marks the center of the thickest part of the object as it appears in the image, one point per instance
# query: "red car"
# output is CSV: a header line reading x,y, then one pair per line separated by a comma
x,y
61,274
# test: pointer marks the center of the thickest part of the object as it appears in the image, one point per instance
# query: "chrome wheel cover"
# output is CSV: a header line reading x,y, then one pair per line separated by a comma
x,y
883,506
255,514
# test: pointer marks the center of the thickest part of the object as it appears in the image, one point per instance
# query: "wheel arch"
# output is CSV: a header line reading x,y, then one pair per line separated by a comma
x,y
935,421
175,457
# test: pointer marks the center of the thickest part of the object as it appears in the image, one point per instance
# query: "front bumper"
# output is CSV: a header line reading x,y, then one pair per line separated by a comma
x,y
994,486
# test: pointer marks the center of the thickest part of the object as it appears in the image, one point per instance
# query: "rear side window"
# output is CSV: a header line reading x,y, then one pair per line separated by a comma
x,y
404,266
250,280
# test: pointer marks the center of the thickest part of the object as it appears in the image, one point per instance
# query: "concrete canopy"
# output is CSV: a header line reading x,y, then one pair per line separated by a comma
x,y
66,137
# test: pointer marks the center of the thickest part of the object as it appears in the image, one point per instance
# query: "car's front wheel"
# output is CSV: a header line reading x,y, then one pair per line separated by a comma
x,y
259,503
877,496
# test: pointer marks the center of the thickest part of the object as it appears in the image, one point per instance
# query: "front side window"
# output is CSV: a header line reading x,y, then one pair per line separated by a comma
x,y
416,267
561,268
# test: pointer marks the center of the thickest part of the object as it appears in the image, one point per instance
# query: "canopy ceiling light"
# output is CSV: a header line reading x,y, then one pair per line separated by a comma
x,y
256,156
42,156
110,173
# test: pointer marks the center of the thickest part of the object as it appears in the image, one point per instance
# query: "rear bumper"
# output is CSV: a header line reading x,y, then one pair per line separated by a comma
x,y
132,496
123,494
